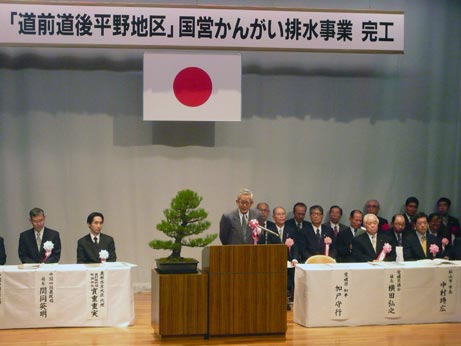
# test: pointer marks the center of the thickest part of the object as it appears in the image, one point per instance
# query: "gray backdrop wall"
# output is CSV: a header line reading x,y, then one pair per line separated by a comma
x,y
318,128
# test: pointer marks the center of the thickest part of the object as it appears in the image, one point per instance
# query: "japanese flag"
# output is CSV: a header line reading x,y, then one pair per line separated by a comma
x,y
192,87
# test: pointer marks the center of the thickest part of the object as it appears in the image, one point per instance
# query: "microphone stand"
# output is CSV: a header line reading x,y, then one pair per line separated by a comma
x,y
268,231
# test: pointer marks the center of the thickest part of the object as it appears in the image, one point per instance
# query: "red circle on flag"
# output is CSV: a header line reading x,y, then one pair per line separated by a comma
x,y
192,86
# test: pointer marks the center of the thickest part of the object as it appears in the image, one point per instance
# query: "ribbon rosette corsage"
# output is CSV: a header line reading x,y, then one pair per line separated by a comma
x,y
386,249
254,225
289,243
103,255
444,243
48,246
433,249
327,241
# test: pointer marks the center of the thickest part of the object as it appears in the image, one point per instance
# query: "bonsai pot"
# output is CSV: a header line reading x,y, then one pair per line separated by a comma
x,y
176,266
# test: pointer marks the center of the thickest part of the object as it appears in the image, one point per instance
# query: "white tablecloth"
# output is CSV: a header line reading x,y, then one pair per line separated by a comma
x,y
384,293
70,295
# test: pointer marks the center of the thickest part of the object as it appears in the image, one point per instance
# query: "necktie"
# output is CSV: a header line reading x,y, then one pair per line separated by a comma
x,y
445,221
281,234
399,239
95,240
355,232
335,230
244,227
373,241
300,225
318,233
39,241
424,244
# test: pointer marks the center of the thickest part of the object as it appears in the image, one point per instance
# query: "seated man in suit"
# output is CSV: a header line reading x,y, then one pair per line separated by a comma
x,y
450,223
89,246
398,232
367,246
335,214
298,225
30,249
265,210
284,233
345,237
316,236
233,227
372,206
411,209
437,229
2,252
418,244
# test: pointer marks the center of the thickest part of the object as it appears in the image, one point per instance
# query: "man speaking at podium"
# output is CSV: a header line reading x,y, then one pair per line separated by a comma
x,y
233,227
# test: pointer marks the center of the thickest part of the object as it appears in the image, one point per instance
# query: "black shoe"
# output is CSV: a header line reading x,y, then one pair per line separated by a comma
x,y
288,307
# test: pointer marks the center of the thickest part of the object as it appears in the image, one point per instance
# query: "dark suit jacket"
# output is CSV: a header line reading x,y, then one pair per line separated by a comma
x,y
393,238
413,251
288,232
230,228
341,227
444,233
344,245
264,237
452,225
408,223
362,249
2,252
456,249
314,246
27,249
88,251
383,224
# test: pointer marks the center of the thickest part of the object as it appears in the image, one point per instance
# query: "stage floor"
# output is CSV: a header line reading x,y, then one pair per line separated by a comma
x,y
443,334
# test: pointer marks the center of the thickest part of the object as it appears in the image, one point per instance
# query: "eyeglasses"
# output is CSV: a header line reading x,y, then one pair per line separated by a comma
x,y
372,206
244,202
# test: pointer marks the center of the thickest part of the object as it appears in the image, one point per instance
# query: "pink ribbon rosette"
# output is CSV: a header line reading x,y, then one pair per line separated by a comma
x,y
386,249
254,225
327,241
289,243
433,249
444,243
48,246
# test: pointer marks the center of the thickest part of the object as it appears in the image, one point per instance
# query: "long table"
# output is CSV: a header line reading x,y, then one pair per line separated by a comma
x,y
66,295
377,293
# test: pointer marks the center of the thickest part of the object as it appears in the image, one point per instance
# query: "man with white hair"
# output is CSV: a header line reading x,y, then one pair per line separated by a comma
x,y
367,246
233,227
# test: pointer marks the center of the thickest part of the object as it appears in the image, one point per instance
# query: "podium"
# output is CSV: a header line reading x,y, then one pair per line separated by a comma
x,y
179,304
247,289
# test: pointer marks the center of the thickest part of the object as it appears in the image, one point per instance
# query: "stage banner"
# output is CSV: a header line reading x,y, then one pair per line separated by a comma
x,y
204,27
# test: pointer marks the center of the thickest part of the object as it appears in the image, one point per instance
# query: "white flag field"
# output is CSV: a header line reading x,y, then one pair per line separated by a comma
x,y
192,87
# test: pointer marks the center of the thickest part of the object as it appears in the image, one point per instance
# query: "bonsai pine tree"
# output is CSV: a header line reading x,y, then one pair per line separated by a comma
x,y
184,218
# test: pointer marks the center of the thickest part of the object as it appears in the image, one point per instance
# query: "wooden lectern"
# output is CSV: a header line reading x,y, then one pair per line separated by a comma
x,y
247,289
